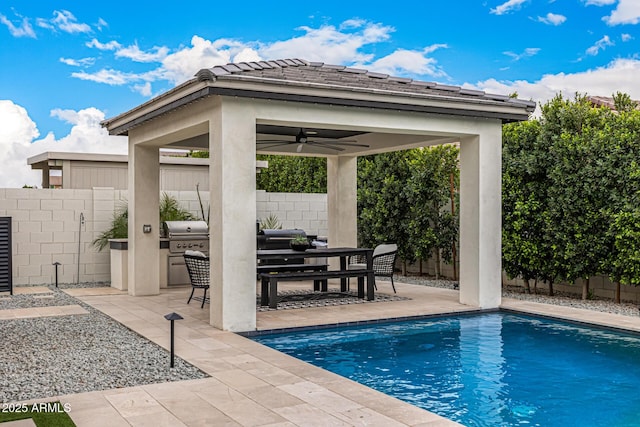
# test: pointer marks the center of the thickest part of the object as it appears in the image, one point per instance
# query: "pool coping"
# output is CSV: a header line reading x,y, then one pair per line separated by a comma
x,y
250,334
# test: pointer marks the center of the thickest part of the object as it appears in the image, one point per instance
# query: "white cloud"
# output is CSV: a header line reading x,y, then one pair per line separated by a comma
x,y
110,77
112,45
528,52
328,44
352,23
83,62
23,30
65,21
627,12
101,24
143,89
407,62
182,65
599,2
247,55
626,37
44,23
133,52
552,19
601,44
18,142
507,7
344,46
617,76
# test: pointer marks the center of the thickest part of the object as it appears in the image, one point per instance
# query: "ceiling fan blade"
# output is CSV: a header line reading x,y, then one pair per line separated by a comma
x,y
338,144
346,144
324,145
327,139
271,141
275,145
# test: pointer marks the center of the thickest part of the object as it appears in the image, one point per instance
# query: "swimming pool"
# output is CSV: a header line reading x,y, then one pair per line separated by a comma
x,y
494,369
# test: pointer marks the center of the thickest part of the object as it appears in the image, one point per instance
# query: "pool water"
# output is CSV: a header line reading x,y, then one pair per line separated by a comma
x,y
495,369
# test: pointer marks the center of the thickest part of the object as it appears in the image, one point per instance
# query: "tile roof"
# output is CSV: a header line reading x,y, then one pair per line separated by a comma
x,y
297,72
319,83
608,102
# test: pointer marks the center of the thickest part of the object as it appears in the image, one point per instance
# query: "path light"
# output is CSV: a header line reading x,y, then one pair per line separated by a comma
x,y
172,317
56,264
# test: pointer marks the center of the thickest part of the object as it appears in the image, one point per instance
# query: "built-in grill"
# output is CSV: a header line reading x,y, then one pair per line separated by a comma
x,y
279,239
184,236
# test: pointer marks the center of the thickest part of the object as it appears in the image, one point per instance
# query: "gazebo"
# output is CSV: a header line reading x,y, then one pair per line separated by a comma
x,y
233,110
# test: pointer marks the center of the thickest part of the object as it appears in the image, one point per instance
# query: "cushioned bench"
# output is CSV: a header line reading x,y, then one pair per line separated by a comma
x,y
269,281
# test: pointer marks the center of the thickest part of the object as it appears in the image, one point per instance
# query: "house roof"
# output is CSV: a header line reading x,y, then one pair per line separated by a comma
x,y
607,101
317,82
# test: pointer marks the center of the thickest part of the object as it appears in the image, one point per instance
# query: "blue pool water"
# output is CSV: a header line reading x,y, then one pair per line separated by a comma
x,y
493,369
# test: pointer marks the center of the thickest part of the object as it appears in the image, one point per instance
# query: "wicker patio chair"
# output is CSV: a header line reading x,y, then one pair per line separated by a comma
x,y
198,268
384,259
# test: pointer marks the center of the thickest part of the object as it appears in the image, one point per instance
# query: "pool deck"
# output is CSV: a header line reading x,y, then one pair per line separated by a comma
x,y
252,385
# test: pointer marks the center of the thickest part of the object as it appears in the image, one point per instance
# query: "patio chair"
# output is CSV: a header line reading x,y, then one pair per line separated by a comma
x,y
384,259
198,268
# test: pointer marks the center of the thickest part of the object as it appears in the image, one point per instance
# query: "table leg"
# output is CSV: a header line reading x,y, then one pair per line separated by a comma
x,y
273,292
371,278
361,287
264,291
343,280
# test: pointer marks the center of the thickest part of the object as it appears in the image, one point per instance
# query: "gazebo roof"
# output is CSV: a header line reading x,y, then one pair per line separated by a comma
x,y
316,82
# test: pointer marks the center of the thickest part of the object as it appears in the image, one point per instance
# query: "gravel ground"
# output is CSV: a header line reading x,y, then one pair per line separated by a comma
x,y
606,306
51,356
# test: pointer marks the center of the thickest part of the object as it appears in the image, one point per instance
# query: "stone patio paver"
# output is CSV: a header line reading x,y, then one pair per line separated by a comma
x,y
251,384
25,313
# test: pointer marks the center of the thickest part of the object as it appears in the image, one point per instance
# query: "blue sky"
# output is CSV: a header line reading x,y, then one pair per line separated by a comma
x,y
67,65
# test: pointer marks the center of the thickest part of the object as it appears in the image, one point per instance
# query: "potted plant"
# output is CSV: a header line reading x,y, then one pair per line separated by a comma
x,y
299,243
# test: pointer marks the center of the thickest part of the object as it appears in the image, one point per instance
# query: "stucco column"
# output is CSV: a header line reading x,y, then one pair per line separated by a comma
x,y
342,200
480,218
232,172
144,200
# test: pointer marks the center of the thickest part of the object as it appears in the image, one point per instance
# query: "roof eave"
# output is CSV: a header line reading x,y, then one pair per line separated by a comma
x,y
272,89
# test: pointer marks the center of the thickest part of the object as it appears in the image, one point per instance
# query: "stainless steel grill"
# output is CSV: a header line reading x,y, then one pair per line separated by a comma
x,y
278,239
183,236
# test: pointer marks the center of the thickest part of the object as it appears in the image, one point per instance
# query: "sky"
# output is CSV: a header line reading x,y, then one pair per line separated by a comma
x,y
67,65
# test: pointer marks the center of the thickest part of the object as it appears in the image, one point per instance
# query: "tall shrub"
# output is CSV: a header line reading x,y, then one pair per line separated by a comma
x,y
432,226
524,201
383,209
293,174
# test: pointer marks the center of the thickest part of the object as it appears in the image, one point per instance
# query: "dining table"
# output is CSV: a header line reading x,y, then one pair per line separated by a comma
x,y
343,253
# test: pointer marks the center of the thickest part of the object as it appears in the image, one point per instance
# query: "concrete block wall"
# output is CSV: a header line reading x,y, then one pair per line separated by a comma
x,y
295,210
47,228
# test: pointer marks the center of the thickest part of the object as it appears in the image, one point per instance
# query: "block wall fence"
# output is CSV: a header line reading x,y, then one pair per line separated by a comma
x,y
47,228
59,225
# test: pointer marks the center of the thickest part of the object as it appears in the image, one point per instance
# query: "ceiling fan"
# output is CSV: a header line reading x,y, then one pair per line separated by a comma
x,y
302,140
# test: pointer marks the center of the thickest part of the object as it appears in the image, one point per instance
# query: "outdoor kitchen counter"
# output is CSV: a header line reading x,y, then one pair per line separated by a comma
x,y
120,263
